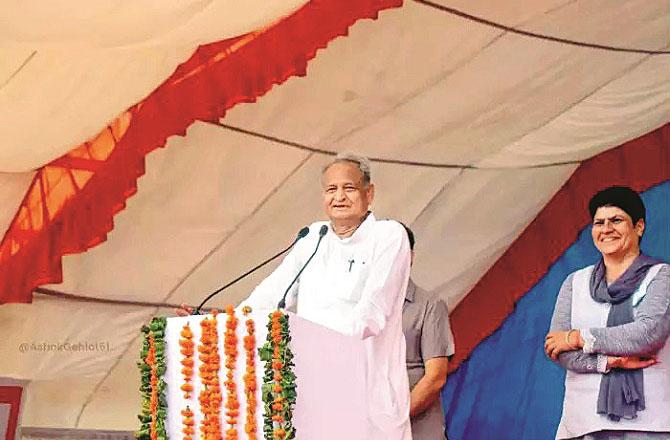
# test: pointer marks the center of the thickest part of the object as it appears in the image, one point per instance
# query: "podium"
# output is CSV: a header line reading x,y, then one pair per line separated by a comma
x,y
329,369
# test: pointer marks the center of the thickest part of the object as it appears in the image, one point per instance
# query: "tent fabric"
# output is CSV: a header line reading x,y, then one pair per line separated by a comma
x,y
512,363
71,202
640,164
80,104
92,60
123,24
465,94
417,85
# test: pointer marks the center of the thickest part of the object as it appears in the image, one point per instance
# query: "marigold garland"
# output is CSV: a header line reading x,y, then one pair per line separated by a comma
x,y
187,350
153,382
152,369
187,346
230,350
187,420
250,376
279,387
278,363
210,396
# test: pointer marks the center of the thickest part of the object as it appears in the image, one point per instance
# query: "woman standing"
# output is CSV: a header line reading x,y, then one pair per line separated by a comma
x,y
610,328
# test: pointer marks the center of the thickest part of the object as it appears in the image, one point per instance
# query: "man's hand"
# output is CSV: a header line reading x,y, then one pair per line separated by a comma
x,y
631,362
556,343
183,310
427,389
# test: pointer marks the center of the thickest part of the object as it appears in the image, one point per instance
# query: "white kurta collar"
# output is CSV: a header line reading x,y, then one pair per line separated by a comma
x,y
360,233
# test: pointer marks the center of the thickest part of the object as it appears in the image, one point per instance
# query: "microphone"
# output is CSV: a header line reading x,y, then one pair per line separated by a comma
x,y
301,234
323,231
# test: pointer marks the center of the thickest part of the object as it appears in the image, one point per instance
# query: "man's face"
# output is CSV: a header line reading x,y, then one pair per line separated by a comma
x,y
345,197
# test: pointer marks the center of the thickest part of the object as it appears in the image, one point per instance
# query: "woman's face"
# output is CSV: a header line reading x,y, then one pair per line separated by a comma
x,y
614,233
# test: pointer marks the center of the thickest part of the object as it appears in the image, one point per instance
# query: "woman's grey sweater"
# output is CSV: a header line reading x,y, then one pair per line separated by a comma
x,y
644,336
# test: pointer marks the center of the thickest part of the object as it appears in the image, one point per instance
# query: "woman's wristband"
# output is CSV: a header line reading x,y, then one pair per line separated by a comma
x,y
567,339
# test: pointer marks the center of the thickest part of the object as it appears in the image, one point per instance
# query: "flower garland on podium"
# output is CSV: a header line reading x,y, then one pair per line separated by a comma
x,y
152,369
210,397
187,351
279,387
230,346
250,376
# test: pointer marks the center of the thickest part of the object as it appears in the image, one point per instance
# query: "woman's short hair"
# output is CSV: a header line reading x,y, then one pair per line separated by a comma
x,y
623,198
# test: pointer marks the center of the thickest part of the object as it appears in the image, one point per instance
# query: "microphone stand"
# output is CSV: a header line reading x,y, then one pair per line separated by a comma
x,y
322,232
303,232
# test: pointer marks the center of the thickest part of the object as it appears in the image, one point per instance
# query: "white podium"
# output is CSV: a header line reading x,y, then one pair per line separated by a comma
x,y
330,370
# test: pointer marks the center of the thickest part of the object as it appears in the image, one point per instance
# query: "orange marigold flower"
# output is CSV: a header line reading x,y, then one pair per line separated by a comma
x,y
186,332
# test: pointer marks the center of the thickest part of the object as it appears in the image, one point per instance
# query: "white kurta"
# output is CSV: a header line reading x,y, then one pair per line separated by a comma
x,y
356,286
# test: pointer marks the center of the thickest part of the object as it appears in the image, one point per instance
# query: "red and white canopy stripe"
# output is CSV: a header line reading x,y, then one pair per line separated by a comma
x,y
69,68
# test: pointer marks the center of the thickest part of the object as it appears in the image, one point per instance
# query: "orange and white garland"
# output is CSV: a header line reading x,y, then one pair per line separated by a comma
x,y
230,350
210,396
250,376
187,350
153,405
186,343
188,422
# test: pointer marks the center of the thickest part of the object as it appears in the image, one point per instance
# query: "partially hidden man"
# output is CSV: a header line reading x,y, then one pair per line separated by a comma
x,y
430,343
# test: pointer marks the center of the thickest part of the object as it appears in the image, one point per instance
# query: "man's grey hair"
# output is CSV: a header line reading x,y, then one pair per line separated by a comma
x,y
361,162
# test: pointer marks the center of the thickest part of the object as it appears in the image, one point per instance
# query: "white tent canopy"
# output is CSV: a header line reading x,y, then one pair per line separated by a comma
x,y
502,119
92,60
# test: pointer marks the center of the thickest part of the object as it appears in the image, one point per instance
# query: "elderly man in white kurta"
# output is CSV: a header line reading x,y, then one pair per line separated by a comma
x,y
355,285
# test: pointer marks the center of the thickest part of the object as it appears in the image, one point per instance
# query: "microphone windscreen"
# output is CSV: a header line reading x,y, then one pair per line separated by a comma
x,y
323,231
303,232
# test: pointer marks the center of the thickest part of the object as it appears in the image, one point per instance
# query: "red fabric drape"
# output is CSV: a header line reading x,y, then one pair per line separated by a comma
x,y
640,164
71,202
